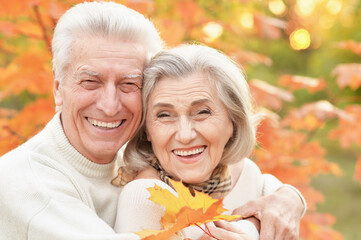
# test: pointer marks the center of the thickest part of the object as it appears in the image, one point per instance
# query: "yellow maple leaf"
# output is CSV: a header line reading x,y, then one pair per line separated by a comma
x,y
184,210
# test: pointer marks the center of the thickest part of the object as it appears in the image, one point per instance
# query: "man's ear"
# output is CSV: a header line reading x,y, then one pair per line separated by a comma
x,y
58,97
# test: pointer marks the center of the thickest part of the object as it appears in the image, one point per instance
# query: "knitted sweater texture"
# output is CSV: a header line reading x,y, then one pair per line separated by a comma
x,y
49,191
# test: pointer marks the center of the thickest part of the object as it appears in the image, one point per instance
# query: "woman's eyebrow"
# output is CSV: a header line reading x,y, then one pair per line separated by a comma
x,y
194,103
200,101
161,104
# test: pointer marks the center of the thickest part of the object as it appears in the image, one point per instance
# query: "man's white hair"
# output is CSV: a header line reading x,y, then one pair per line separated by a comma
x,y
100,19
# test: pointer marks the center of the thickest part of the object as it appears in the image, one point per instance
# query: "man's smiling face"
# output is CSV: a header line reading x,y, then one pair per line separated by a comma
x,y
100,97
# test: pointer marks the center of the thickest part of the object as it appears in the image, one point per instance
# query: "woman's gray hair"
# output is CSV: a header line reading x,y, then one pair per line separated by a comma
x,y
231,86
105,19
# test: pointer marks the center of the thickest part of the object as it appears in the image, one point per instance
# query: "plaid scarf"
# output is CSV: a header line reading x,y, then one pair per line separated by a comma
x,y
219,182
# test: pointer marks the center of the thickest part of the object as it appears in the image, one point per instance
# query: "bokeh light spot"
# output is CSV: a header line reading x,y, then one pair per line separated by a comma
x,y
246,20
334,6
305,7
277,7
213,31
300,39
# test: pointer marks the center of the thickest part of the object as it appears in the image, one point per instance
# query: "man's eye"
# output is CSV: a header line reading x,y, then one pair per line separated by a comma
x,y
89,84
130,87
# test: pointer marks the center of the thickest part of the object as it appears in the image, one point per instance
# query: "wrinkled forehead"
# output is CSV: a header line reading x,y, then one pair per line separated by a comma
x,y
112,51
189,86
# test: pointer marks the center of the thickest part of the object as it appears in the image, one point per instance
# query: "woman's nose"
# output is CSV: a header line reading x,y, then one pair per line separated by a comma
x,y
185,132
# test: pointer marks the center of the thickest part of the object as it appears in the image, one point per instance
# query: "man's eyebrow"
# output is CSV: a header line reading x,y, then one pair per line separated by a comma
x,y
91,73
132,76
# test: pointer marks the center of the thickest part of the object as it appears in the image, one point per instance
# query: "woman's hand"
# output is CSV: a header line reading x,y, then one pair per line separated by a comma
x,y
279,213
225,230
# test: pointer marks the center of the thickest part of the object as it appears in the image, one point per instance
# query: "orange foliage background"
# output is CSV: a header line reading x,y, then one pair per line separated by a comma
x,y
286,148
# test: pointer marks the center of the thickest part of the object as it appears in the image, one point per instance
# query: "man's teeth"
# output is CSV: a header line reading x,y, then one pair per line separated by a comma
x,y
184,153
105,124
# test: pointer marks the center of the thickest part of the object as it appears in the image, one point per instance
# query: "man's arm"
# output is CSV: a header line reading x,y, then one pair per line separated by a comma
x,y
39,202
279,213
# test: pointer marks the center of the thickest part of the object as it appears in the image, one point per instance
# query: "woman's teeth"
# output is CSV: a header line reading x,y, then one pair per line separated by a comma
x,y
185,153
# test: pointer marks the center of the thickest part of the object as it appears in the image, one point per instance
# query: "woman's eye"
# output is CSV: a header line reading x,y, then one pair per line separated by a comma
x,y
163,115
204,111
202,114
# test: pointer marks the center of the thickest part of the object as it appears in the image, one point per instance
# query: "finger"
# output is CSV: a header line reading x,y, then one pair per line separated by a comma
x,y
267,231
225,225
231,234
249,209
205,237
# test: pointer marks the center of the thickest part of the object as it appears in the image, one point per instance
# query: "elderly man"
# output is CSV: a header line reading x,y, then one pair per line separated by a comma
x,y
57,184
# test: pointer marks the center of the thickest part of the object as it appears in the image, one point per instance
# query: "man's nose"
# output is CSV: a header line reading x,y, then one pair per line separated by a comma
x,y
110,100
185,131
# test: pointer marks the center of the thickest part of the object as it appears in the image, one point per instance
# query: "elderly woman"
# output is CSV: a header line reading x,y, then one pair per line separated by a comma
x,y
197,121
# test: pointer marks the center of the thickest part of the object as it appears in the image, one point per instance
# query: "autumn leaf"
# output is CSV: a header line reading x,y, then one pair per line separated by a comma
x,y
14,8
190,13
352,45
8,139
30,71
313,115
291,157
30,29
37,114
348,75
172,31
348,131
318,226
56,9
248,57
299,82
184,210
269,27
269,96
7,28
7,113
142,6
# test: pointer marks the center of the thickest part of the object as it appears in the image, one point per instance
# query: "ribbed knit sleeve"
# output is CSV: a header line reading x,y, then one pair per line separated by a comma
x,y
135,211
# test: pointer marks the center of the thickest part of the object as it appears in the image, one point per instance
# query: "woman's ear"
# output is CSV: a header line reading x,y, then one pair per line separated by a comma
x,y
148,137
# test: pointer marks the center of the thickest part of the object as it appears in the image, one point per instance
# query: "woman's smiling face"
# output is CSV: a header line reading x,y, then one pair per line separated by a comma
x,y
188,126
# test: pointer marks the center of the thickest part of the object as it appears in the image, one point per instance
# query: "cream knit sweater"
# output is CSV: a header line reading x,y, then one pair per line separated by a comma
x,y
136,212
49,191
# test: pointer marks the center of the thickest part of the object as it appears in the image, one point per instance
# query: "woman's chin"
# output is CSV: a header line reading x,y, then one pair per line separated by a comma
x,y
193,180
